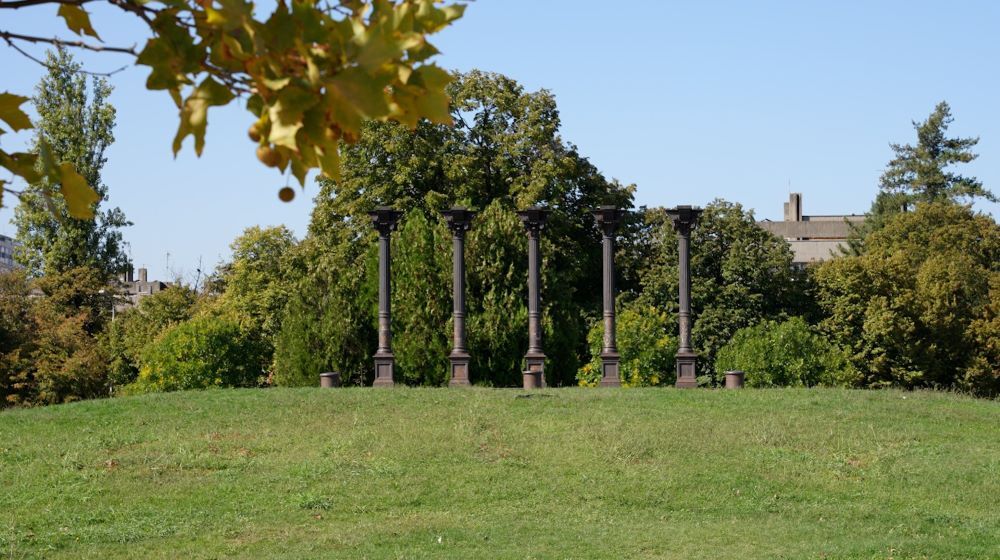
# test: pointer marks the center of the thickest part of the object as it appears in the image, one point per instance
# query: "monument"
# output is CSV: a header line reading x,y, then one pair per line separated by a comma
x,y
684,218
534,219
384,219
459,221
608,218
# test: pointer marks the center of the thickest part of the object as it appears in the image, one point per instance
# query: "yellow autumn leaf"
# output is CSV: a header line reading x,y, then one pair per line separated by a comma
x,y
77,20
79,196
194,113
11,113
329,160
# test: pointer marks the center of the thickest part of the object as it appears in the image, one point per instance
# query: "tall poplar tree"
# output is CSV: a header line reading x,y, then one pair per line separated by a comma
x,y
77,127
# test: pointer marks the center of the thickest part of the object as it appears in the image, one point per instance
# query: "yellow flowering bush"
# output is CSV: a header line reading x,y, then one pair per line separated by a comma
x,y
645,344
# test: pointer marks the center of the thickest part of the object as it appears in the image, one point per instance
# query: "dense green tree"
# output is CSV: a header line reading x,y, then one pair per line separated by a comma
x,y
56,358
76,127
785,354
15,320
982,375
421,300
329,321
916,310
205,351
15,307
255,284
497,299
741,275
504,152
125,339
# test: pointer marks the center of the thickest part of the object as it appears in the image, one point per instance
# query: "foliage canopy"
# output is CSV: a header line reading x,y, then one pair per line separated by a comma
x,y
311,73
917,308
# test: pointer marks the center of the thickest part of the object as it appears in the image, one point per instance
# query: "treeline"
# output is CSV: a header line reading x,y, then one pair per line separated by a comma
x,y
915,303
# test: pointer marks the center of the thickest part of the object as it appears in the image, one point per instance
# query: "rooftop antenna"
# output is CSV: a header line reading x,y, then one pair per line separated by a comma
x,y
197,278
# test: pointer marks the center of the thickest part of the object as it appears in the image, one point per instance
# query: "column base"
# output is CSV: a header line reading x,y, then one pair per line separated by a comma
x,y
686,375
609,370
459,369
385,365
534,373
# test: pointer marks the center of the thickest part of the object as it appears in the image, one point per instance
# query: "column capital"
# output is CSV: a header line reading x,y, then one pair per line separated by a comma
x,y
385,219
608,218
534,218
459,219
684,218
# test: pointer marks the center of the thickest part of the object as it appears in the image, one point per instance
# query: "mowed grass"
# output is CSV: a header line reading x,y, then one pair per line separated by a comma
x,y
568,473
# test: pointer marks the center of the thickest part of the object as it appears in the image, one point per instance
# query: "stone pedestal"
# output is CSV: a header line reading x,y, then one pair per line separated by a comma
x,y
609,370
459,364
686,375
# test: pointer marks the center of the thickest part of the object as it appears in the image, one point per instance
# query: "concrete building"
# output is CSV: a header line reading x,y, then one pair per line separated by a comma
x,y
813,238
7,246
133,290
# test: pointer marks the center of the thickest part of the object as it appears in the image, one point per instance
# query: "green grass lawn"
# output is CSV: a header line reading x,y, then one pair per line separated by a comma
x,y
569,473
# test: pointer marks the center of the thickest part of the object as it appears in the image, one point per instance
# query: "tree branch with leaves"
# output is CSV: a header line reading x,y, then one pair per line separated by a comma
x,y
310,73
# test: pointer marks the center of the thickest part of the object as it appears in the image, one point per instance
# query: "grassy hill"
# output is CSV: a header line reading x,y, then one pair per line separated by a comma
x,y
437,473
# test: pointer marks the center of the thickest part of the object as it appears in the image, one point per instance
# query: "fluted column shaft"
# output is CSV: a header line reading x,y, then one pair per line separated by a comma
x,y
684,219
534,219
608,218
384,219
459,221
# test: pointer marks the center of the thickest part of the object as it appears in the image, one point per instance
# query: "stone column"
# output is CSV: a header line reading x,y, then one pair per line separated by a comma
x,y
685,218
459,221
608,218
534,375
385,220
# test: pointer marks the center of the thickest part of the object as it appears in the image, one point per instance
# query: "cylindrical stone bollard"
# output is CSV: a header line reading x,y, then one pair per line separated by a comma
x,y
734,379
329,379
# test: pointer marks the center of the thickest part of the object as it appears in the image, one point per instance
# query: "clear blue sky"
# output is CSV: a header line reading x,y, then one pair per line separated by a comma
x,y
688,100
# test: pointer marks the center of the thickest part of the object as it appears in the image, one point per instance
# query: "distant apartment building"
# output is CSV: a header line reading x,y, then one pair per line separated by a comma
x,y
812,238
7,246
133,290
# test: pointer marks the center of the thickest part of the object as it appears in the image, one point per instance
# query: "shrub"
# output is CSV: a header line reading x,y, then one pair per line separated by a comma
x,y
124,339
646,349
205,351
785,354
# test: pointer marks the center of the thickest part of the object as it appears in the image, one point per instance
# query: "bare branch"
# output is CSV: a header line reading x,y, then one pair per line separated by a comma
x,y
9,37
15,4
46,65
140,10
